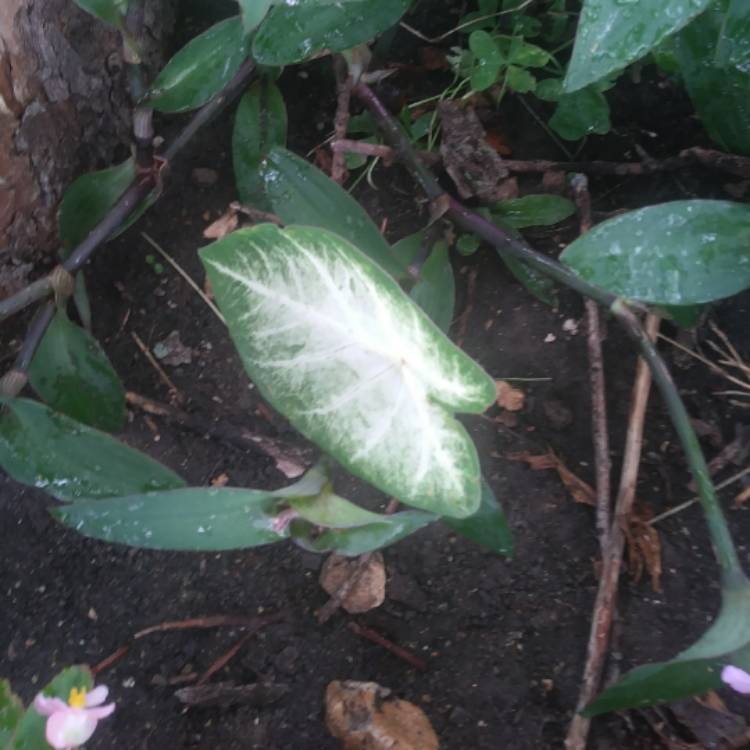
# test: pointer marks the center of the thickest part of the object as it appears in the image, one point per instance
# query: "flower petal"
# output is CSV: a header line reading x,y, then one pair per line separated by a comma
x,y
70,728
101,712
97,696
47,706
736,678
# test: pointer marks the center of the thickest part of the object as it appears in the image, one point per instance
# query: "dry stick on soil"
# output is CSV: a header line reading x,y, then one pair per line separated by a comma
x,y
396,650
344,83
174,391
145,183
606,595
687,159
599,427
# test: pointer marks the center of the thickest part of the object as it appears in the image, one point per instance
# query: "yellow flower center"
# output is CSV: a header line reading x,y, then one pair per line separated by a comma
x,y
77,697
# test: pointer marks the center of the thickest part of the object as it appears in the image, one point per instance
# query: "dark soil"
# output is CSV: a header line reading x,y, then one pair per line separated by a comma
x,y
505,640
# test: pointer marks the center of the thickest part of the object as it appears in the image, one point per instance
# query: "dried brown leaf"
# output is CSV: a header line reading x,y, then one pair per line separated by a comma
x,y
644,548
367,591
508,397
223,226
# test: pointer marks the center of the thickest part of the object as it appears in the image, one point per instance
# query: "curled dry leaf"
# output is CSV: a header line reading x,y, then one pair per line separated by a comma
x,y
508,397
364,593
644,548
580,490
364,716
224,225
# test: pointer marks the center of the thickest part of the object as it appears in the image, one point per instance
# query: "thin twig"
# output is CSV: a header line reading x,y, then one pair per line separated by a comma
x,y
599,428
215,310
210,621
396,650
173,389
606,595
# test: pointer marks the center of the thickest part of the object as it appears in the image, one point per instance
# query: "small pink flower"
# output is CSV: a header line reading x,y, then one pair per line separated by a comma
x,y
736,678
71,724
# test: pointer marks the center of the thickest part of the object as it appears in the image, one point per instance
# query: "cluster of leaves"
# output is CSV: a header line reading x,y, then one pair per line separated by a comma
x,y
23,728
335,331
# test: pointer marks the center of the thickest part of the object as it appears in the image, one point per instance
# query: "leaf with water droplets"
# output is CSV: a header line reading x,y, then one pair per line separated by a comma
x,y
614,33
69,460
334,344
293,32
679,253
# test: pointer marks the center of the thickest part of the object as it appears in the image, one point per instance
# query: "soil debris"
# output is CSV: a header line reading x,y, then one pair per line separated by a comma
x,y
580,490
508,397
366,592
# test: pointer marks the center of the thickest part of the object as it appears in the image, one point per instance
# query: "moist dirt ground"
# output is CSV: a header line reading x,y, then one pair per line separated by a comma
x,y
504,640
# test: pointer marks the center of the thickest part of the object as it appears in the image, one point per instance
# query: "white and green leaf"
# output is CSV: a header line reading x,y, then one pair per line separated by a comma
x,y
335,345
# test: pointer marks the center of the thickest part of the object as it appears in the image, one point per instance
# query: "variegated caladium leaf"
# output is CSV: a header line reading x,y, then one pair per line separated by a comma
x,y
336,346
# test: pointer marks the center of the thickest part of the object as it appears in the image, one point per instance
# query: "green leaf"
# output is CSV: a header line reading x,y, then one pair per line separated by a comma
x,y
679,253
71,372
11,710
582,113
110,11
89,198
612,34
726,116
733,47
199,519
488,527
253,12
200,69
488,60
336,346
519,80
361,539
260,124
695,670
81,300
69,460
528,55
435,292
467,244
333,512
295,32
686,316
300,193
30,732
535,282
533,211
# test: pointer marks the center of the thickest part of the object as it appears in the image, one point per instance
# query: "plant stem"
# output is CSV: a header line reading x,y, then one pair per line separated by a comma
x,y
724,548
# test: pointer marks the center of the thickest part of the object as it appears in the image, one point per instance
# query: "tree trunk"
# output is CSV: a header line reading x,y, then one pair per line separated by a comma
x,y
64,110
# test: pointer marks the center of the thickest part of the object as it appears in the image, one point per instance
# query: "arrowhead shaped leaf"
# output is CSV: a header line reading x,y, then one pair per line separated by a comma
x,y
360,539
260,124
335,345
11,711
301,194
31,729
71,372
679,253
612,34
295,32
69,460
110,11
487,527
200,69
696,670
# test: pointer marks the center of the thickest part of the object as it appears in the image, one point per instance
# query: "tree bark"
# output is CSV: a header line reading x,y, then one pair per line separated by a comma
x,y
64,110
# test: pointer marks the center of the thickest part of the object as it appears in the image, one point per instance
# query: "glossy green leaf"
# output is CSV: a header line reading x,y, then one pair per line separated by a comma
x,y
614,33
527,55
71,372
253,12
720,93
488,527
733,47
582,113
260,124
11,711
333,512
293,32
69,460
533,211
335,345
110,11
362,539
30,730
487,60
694,671
195,518
200,69
300,193
89,198
679,253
